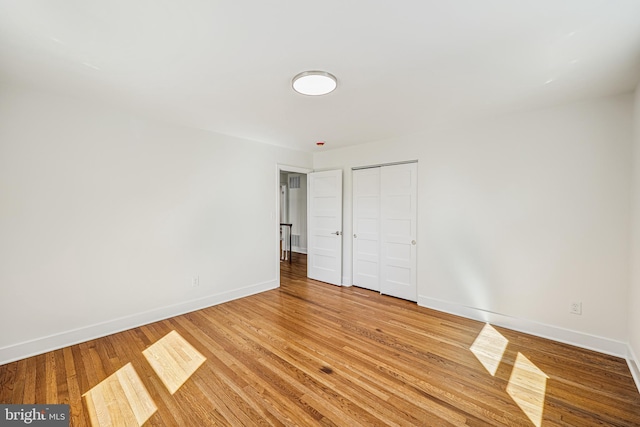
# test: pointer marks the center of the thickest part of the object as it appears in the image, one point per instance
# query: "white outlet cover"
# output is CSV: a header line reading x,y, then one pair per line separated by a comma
x,y
576,308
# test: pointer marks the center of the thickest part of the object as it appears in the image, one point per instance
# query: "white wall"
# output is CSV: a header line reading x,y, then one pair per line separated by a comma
x,y
105,217
519,216
634,291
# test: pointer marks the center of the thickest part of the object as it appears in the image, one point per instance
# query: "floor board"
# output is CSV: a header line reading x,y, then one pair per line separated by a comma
x,y
310,353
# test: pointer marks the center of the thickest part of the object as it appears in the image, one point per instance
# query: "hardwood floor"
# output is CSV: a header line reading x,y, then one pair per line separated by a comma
x,y
316,354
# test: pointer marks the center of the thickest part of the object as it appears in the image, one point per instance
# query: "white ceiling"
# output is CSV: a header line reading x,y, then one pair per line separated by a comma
x,y
402,66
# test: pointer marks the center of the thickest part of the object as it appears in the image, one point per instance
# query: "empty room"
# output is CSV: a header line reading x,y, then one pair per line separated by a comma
x,y
414,213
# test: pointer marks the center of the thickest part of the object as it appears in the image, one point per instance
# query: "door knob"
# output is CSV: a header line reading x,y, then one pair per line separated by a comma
x,y
413,242
355,236
337,233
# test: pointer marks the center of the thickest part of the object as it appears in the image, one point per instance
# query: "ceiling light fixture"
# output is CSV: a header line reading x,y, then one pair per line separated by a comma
x,y
314,83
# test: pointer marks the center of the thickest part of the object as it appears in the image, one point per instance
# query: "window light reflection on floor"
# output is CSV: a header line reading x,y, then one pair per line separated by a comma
x,y
527,387
174,360
120,400
527,384
489,348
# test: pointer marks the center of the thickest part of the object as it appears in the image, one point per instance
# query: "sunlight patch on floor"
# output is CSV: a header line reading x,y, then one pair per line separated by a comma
x,y
527,387
174,360
489,348
120,400
527,384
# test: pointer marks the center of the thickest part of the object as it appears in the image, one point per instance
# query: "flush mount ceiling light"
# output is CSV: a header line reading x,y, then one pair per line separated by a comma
x,y
314,83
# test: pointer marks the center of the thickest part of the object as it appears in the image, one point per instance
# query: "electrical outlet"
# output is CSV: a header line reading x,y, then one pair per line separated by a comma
x,y
195,281
576,308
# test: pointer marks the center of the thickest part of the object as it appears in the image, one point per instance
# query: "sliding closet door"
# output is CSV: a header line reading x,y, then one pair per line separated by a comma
x,y
366,228
398,201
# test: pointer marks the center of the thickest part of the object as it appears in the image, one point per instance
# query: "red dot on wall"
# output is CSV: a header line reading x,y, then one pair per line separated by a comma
x,y
320,143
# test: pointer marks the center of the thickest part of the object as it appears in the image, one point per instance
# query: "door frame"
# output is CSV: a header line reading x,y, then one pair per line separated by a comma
x,y
276,218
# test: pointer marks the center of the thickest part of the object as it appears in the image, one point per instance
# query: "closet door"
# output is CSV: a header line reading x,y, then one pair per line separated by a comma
x,y
398,201
366,228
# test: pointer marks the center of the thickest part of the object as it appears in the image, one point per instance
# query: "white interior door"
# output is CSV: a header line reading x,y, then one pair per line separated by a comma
x,y
366,228
324,226
398,201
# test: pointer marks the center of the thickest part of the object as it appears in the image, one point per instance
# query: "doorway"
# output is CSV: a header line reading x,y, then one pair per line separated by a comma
x,y
291,217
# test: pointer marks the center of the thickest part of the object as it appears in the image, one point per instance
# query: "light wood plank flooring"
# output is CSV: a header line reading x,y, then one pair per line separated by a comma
x,y
316,354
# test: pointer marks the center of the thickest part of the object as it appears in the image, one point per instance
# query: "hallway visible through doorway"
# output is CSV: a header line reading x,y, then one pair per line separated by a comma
x,y
296,270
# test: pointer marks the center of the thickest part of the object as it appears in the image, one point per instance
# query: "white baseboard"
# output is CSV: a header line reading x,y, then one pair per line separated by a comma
x,y
299,250
346,281
567,336
64,339
634,366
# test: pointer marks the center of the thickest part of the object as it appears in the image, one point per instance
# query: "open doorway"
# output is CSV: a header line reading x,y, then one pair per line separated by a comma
x,y
292,221
293,214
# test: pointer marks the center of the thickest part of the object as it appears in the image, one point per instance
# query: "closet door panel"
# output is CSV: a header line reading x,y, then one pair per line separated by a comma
x,y
366,228
398,217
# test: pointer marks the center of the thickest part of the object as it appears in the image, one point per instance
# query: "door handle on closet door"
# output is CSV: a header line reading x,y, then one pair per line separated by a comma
x,y
337,233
